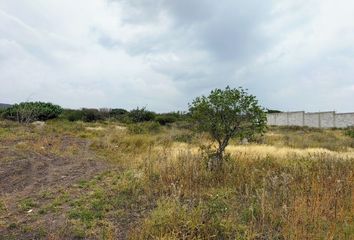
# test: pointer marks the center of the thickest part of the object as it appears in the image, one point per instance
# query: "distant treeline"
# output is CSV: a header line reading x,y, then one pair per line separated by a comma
x,y
3,105
134,116
38,111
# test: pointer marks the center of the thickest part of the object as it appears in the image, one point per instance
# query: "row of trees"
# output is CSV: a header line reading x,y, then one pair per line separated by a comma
x,y
223,114
134,116
31,111
38,111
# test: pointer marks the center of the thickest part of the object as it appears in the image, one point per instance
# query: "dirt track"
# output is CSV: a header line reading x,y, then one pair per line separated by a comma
x,y
26,174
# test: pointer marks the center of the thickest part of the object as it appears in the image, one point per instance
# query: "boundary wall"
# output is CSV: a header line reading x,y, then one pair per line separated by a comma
x,y
311,119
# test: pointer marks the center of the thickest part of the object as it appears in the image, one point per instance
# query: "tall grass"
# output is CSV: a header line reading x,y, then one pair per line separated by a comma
x,y
263,192
288,184
253,198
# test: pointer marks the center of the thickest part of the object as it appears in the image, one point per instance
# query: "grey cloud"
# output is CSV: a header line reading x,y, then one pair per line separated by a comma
x,y
139,11
190,12
230,31
294,55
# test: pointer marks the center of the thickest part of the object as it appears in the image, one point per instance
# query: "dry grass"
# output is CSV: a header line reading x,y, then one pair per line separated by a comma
x,y
286,187
263,197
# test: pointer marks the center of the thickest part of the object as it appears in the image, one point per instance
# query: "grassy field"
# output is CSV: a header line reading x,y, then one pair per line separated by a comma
x,y
75,180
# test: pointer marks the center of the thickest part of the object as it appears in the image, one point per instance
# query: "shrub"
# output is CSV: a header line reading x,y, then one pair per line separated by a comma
x,y
86,115
105,113
143,128
72,115
2,111
350,132
91,115
118,113
165,119
183,137
32,111
141,115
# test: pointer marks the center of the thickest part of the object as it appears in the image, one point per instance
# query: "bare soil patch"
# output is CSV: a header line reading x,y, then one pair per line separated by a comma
x,y
27,174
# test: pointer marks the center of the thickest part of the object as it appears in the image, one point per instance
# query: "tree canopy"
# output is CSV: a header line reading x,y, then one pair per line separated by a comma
x,y
228,113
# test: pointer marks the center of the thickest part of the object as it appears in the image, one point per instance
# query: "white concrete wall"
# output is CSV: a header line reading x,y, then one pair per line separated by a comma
x,y
316,119
312,120
327,120
281,119
344,120
296,118
271,119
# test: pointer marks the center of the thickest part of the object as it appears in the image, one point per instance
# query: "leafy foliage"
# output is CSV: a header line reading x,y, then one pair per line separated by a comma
x,y
2,111
350,132
141,115
118,113
273,111
225,114
144,128
165,119
32,111
72,115
91,115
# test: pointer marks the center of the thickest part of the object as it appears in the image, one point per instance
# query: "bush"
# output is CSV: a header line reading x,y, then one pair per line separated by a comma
x,y
141,115
72,115
32,111
143,128
2,111
118,113
350,132
91,115
165,119
183,137
86,115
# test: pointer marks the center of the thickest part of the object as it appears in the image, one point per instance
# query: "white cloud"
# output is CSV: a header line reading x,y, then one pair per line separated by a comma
x,y
159,54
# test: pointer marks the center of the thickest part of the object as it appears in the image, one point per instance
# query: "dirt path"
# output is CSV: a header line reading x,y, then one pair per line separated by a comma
x,y
28,174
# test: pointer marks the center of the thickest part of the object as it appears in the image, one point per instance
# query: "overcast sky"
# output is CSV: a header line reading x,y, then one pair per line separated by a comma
x,y
291,54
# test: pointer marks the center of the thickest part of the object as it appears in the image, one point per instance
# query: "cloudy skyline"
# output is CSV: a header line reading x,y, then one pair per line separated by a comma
x,y
291,54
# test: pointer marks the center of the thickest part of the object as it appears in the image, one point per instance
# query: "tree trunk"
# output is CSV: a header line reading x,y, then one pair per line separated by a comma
x,y
216,161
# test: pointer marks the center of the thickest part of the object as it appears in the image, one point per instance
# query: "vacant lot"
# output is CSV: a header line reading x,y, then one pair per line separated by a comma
x,y
105,180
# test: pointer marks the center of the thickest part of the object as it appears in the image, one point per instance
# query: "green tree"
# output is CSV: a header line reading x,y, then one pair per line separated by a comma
x,y
225,114
141,115
118,113
27,112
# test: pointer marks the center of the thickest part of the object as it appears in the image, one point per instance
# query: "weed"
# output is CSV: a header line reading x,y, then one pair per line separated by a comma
x,y
27,204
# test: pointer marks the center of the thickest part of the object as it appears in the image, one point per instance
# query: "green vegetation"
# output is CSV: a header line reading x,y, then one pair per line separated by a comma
x,y
27,204
117,174
350,132
32,111
157,186
305,137
225,114
141,115
273,111
118,113
138,115
166,119
72,115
